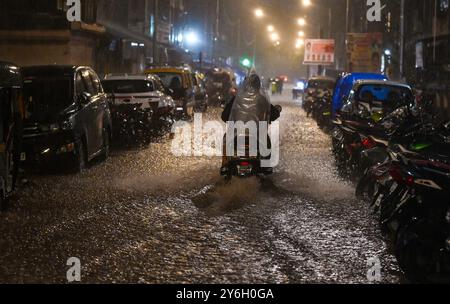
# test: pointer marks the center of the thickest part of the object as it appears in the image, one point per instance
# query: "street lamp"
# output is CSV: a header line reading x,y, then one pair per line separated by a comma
x,y
274,37
306,3
301,21
192,38
259,13
270,29
301,34
299,43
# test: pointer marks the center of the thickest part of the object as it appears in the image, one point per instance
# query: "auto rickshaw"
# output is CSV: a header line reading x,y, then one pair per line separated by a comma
x,y
11,118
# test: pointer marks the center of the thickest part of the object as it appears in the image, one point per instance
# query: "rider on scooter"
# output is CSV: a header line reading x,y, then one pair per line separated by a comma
x,y
250,105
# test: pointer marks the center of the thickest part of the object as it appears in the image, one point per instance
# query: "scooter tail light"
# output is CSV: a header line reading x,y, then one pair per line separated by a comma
x,y
396,175
368,143
399,177
409,180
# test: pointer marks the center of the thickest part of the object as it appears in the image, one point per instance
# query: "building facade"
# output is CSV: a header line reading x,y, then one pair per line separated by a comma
x,y
37,32
113,36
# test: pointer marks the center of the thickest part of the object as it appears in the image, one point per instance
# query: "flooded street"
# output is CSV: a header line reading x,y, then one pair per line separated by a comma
x,y
146,216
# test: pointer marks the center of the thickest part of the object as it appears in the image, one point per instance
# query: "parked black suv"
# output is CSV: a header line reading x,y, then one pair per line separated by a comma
x,y
67,116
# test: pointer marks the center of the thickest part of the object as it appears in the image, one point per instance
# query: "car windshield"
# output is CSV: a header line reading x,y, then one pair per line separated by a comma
x,y
127,86
48,95
321,84
385,94
170,80
220,78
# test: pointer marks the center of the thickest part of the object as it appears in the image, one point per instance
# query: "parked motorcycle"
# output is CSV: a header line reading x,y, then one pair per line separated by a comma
x,y
323,111
411,194
132,124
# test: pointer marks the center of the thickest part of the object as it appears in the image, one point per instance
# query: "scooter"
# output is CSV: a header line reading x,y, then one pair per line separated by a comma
x,y
246,161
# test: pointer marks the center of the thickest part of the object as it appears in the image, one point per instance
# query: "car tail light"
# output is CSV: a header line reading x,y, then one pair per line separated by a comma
x,y
244,164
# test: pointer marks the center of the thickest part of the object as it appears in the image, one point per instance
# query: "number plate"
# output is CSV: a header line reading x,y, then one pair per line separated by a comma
x,y
23,156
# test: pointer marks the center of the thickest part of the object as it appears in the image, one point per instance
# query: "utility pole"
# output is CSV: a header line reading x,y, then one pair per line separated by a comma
x,y
347,30
330,16
402,37
435,30
347,18
217,30
155,31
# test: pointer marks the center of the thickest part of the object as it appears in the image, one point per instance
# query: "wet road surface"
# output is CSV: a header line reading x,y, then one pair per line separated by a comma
x,y
146,216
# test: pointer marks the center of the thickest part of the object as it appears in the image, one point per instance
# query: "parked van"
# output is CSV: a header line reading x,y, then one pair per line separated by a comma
x,y
67,116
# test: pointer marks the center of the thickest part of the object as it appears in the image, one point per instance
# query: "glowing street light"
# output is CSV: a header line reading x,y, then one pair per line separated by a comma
x,y
270,29
301,34
306,3
259,13
274,37
301,21
299,43
192,38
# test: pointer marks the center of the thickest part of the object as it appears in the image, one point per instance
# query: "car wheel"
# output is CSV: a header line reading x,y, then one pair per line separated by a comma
x,y
80,162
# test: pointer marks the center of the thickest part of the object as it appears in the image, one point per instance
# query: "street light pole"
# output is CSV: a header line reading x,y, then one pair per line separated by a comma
x,y
402,36
217,30
155,31
347,17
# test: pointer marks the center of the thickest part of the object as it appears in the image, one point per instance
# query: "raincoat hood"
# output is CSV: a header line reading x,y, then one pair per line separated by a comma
x,y
251,104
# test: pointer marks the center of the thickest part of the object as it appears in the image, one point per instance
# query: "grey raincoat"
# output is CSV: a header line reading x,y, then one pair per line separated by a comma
x,y
250,105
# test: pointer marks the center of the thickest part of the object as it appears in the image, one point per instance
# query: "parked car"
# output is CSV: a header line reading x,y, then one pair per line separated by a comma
x,y
316,89
67,116
345,84
148,91
11,114
219,86
375,99
179,81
